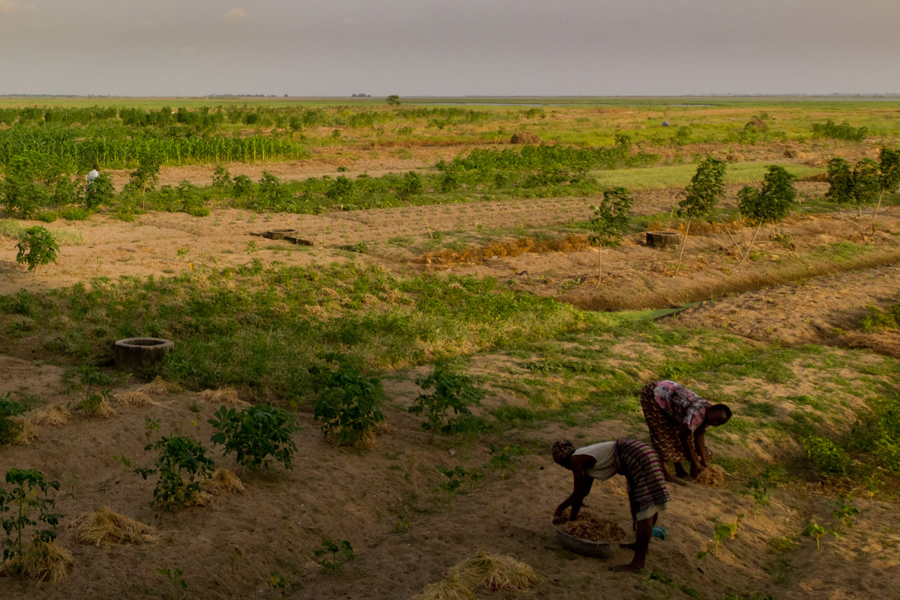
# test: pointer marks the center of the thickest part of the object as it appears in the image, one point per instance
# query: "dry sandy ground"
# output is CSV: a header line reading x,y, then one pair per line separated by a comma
x,y
229,548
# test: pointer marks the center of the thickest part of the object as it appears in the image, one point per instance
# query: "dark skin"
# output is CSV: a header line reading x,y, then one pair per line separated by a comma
x,y
579,465
697,453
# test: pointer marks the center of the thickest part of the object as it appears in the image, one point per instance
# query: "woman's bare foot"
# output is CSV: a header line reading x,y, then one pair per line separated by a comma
x,y
631,546
676,480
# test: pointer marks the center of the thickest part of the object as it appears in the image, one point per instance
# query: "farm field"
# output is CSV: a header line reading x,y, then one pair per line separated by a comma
x,y
437,241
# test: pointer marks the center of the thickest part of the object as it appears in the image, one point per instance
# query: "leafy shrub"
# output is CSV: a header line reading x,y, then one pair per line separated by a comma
x,y
255,434
221,178
844,131
100,191
242,186
9,428
74,213
452,391
840,181
30,506
827,457
182,464
331,555
348,407
38,247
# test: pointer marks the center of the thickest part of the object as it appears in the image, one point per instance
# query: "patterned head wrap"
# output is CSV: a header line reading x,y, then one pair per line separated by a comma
x,y
562,450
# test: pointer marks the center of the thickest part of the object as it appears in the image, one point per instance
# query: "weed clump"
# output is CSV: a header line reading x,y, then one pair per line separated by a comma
x,y
137,399
41,561
159,387
227,396
222,482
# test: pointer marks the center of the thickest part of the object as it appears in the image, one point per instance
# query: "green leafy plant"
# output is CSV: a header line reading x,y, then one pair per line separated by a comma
x,y
9,429
177,581
707,187
38,247
31,507
722,532
182,464
866,183
280,584
100,191
772,203
453,391
95,390
814,530
609,221
889,168
257,435
840,181
827,457
843,512
331,555
348,407
454,481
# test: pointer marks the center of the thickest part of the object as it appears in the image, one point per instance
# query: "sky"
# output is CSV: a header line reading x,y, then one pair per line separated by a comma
x,y
449,47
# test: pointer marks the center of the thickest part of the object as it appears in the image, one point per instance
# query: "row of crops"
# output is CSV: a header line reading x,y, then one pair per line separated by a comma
x,y
207,117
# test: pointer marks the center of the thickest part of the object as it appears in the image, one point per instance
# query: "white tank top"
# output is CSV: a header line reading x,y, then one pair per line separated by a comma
x,y
604,453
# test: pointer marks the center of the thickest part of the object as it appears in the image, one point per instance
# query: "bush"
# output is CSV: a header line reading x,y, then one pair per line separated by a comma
x,y
255,434
452,391
827,457
38,247
100,191
9,429
182,464
29,509
348,407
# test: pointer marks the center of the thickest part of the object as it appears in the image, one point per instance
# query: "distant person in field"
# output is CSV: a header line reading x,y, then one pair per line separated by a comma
x,y
93,174
677,419
647,493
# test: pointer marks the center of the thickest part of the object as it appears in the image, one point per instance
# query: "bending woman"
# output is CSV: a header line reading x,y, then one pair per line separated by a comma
x,y
638,462
677,419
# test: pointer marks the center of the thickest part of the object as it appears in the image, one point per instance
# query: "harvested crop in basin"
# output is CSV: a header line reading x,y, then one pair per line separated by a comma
x,y
159,387
52,416
594,529
103,527
133,399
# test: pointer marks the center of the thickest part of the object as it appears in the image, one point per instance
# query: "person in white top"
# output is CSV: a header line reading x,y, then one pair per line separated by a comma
x,y
94,174
638,462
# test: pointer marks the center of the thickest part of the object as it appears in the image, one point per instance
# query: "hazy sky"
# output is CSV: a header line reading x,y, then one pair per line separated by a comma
x,y
449,47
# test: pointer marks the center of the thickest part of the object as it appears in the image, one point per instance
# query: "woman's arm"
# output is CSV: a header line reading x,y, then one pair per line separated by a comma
x,y
581,487
700,443
685,434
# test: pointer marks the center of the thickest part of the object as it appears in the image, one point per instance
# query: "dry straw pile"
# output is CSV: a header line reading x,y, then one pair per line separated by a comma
x,y
506,248
27,431
52,416
43,561
227,396
222,482
714,476
137,399
159,387
494,572
103,527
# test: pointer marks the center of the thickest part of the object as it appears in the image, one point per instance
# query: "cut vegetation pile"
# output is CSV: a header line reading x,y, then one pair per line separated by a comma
x,y
42,561
107,528
492,572
507,248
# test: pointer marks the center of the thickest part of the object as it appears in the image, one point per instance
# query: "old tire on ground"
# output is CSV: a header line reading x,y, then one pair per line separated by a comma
x,y
133,354
663,239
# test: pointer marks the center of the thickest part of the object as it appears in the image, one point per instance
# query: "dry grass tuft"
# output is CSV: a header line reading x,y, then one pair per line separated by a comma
x,y
102,411
714,476
222,482
27,431
494,572
159,387
103,527
506,248
52,416
228,396
138,399
43,561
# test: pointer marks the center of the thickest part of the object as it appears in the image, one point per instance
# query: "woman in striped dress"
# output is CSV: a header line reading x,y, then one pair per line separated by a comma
x,y
638,462
677,419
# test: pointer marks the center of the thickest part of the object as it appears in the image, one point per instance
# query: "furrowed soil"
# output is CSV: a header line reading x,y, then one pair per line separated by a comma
x,y
808,281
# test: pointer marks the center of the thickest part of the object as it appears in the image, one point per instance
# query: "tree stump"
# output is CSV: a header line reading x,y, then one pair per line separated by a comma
x,y
663,239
